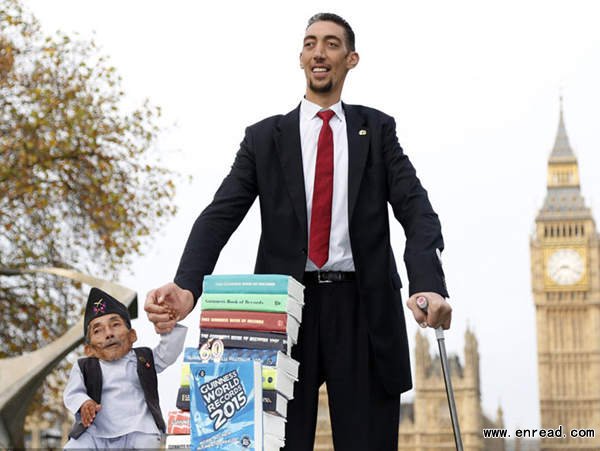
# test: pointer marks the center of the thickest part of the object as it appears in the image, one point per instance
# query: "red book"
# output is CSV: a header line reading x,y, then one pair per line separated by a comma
x,y
238,319
178,423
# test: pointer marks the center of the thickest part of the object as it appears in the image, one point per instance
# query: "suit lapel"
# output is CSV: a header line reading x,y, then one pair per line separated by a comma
x,y
287,141
358,148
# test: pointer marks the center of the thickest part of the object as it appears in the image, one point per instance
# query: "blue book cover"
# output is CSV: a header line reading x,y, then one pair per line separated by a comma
x,y
226,406
266,356
253,283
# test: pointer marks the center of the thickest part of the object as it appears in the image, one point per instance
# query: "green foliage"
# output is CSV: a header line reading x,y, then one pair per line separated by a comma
x,y
80,182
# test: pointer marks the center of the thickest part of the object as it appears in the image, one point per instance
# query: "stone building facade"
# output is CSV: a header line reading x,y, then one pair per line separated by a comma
x,y
425,423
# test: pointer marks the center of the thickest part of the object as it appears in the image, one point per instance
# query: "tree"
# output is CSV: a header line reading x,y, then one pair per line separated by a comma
x,y
80,180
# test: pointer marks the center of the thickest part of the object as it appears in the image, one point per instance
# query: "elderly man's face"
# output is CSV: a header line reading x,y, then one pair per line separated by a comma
x,y
325,57
109,338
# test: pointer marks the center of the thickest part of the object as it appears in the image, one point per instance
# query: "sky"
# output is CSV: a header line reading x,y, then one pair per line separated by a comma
x,y
474,87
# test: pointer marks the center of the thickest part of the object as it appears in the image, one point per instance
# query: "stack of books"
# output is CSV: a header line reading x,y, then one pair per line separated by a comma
x,y
245,320
178,422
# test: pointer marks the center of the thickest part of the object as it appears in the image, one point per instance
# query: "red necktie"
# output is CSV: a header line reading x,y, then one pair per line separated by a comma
x,y
320,220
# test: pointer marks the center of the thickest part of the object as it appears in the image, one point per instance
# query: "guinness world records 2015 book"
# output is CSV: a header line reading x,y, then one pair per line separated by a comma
x,y
226,406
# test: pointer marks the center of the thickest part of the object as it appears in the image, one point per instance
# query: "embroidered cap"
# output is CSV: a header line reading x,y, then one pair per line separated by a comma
x,y
100,303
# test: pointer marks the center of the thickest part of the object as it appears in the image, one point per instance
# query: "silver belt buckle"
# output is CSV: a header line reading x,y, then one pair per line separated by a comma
x,y
320,280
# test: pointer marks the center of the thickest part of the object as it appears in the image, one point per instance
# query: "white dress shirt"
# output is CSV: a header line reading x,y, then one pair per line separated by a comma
x,y
124,407
340,253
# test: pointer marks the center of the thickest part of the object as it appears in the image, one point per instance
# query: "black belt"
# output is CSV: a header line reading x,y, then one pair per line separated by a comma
x,y
315,277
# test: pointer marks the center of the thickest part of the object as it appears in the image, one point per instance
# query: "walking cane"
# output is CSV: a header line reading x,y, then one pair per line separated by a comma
x,y
439,334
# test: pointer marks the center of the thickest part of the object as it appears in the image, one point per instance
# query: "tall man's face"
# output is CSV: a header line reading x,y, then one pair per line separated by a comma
x,y
326,59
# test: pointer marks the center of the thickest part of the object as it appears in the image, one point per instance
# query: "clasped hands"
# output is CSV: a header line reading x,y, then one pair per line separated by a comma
x,y
167,305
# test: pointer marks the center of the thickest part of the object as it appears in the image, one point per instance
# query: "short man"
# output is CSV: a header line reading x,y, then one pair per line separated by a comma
x,y
325,174
113,393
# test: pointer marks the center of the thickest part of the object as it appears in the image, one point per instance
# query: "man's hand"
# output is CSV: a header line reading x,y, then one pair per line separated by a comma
x,y
167,305
439,311
88,412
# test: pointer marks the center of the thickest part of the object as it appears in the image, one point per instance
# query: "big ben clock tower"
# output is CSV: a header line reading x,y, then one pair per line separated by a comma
x,y
566,290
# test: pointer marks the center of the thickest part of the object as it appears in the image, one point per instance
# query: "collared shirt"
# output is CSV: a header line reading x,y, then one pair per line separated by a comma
x,y
124,407
340,253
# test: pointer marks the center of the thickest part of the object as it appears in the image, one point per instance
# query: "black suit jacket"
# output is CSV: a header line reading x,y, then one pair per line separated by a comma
x,y
269,164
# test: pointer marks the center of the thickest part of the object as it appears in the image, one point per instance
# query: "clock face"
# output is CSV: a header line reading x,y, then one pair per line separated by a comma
x,y
565,267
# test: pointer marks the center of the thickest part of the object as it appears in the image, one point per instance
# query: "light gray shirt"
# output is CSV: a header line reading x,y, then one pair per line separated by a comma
x,y
340,253
124,407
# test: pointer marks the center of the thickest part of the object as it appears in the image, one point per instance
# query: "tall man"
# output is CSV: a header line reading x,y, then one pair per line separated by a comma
x,y
324,174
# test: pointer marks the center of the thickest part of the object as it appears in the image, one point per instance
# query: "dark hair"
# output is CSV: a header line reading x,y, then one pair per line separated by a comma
x,y
330,17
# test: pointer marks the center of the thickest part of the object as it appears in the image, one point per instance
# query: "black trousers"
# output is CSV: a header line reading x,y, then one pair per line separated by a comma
x,y
333,347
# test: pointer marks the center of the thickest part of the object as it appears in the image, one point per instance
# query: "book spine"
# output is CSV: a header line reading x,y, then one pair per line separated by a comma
x,y
178,442
250,283
245,301
185,375
246,339
183,398
269,378
179,422
273,379
269,400
235,319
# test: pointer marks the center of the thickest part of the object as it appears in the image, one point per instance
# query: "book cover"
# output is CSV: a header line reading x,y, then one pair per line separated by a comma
x,y
237,319
265,356
268,358
274,402
226,406
253,283
257,302
248,339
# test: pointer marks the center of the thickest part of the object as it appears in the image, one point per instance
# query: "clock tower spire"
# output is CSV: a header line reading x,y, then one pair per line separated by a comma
x,y
565,264
563,177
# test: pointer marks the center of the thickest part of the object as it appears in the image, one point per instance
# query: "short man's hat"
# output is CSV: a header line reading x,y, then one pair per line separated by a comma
x,y
100,303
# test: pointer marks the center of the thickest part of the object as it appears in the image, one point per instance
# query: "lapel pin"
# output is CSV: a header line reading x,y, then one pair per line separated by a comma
x,y
362,132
